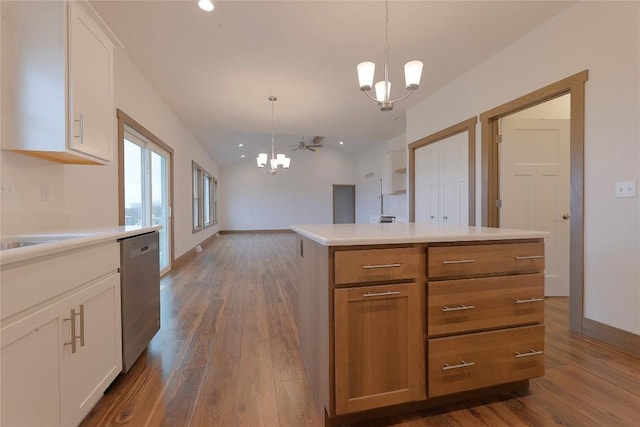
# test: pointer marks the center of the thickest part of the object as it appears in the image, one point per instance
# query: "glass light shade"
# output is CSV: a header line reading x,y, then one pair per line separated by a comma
x,y
274,163
381,96
412,74
286,162
365,75
262,159
280,158
206,5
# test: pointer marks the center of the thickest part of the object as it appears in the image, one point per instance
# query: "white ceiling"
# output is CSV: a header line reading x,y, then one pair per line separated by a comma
x,y
216,70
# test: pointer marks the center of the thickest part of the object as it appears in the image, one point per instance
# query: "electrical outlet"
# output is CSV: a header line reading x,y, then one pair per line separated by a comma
x,y
626,189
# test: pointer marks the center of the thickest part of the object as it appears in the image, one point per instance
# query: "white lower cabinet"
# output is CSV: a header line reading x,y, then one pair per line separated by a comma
x,y
58,360
31,351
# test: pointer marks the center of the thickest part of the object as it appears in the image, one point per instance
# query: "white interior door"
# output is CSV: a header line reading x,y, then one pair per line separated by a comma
x,y
535,189
426,184
453,163
442,182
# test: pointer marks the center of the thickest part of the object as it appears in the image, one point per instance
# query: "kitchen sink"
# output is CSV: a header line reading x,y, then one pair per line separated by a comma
x,y
21,243
24,241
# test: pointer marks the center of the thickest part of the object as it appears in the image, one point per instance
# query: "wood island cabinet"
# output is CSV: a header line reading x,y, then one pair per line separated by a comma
x,y
404,325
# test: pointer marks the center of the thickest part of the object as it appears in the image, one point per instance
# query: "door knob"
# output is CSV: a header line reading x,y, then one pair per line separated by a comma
x,y
565,216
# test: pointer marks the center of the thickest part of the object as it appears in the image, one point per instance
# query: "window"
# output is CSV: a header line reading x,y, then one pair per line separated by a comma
x,y
205,198
197,197
207,191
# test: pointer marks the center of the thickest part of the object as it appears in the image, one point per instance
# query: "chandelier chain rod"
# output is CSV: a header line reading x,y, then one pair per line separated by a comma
x,y
386,51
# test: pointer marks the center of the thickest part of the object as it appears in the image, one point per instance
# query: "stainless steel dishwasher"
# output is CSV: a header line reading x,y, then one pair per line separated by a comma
x,y
140,290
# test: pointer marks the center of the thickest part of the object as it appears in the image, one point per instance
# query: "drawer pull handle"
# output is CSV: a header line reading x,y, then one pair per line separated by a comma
x,y
520,258
460,261
380,294
462,364
528,300
368,267
459,308
530,353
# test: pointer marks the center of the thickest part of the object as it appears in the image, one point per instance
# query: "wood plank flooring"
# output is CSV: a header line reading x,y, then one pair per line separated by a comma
x,y
226,355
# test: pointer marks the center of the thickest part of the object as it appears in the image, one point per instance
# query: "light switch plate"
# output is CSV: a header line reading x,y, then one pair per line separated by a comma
x,y
626,189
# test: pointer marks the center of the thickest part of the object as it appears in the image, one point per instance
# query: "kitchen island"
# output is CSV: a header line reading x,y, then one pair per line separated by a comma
x,y
397,317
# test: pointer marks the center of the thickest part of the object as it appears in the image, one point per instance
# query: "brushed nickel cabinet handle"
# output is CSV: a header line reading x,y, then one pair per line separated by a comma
x,y
368,267
81,128
459,308
72,319
462,364
528,300
520,258
380,294
459,261
531,352
81,325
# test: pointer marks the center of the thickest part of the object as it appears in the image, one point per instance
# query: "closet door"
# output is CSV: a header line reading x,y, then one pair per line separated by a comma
x,y
442,182
426,192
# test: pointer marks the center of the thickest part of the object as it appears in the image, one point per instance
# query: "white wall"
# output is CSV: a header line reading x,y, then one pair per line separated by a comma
x,y
254,200
603,37
42,195
371,163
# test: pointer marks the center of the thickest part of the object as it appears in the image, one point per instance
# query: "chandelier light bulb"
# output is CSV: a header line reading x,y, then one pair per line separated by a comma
x,y
365,75
412,74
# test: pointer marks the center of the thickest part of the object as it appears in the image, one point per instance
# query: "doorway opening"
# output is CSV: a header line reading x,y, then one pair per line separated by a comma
x,y
573,85
344,204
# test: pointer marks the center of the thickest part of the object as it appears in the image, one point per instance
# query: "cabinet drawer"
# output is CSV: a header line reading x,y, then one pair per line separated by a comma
x,y
373,265
485,260
484,359
465,305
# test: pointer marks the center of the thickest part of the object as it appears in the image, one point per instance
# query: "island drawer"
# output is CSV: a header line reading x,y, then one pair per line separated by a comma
x,y
465,305
484,359
460,261
374,265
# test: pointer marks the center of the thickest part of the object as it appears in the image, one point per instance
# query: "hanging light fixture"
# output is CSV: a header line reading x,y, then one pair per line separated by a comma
x,y
412,74
277,162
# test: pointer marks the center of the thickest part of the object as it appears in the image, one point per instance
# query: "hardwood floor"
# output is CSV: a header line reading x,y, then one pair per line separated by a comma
x,y
226,355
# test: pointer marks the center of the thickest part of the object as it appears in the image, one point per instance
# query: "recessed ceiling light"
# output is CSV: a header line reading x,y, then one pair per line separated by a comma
x,y
341,142
206,5
240,145
242,156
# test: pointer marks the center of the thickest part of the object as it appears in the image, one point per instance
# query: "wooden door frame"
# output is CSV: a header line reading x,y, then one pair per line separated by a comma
x,y
468,125
574,85
333,195
124,119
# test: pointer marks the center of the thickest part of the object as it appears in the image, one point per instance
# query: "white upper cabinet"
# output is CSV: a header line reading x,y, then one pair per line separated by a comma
x,y
57,83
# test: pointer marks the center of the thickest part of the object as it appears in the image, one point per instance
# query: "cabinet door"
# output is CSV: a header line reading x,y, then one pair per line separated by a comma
x,y
98,359
90,83
30,375
379,346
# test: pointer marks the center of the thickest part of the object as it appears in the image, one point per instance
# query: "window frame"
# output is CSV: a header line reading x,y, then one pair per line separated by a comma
x,y
197,183
208,210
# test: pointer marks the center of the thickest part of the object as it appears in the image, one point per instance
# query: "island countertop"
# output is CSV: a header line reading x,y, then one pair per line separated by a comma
x,y
396,233
64,240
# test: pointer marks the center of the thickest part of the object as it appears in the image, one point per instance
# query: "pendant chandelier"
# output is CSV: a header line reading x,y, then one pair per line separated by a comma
x,y
275,163
412,74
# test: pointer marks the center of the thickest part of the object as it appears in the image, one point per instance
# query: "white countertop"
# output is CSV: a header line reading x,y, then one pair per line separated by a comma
x,y
391,233
60,241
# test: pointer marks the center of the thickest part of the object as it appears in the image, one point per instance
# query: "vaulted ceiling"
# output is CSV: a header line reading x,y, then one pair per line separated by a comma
x,y
216,70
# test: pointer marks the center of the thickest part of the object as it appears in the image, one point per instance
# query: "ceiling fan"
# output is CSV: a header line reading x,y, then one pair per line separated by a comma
x,y
311,147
